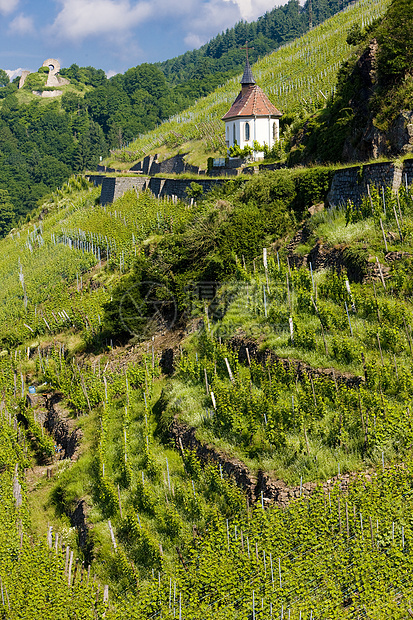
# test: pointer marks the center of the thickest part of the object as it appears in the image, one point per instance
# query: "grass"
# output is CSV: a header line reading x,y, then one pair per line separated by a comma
x,y
339,232
293,78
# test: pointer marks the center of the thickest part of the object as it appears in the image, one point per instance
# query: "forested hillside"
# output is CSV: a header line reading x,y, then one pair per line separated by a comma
x,y
275,28
43,142
299,78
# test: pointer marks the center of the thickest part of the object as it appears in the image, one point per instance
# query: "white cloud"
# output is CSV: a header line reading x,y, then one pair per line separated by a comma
x,y
111,73
22,24
12,73
79,19
200,19
252,9
8,6
193,41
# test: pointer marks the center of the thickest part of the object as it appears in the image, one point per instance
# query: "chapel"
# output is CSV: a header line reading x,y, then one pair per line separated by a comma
x,y
252,116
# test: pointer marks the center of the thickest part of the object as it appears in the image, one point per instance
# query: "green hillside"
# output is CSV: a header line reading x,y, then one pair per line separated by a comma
x,y
43,141
224,52
369,115
323,393
206,406
298,78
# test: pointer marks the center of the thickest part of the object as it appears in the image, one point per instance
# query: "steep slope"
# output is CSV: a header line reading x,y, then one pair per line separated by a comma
x,y
298,78
268,379
371,113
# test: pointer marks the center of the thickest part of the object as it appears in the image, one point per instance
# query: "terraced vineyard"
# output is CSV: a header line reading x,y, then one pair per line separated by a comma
x,y
201,485
300,76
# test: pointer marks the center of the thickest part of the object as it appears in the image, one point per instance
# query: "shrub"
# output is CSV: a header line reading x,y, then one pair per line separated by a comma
x,y
344,350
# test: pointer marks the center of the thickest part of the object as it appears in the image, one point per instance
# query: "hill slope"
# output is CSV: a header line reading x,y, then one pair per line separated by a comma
x,y
310,370
43,141
371,113
297,78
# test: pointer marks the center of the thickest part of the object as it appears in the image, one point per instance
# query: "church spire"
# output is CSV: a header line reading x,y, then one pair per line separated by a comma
x,y
247,78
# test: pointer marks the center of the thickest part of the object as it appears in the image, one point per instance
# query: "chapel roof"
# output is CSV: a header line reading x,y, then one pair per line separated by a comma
x,y
252,101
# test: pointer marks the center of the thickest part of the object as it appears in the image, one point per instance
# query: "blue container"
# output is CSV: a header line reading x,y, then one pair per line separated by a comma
x,y
32,389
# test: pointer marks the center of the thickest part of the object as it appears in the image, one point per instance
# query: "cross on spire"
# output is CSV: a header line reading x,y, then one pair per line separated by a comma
x,y
246,48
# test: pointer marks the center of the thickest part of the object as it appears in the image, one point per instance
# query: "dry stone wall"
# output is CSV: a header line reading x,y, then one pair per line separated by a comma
x,y
351,183
347,183
115,187
174,165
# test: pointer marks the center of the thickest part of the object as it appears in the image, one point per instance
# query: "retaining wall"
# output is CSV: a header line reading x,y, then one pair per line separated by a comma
x,y
347,183
115,187
351,183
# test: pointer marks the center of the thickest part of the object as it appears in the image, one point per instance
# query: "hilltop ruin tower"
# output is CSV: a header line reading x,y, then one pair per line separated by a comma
x,y
252,116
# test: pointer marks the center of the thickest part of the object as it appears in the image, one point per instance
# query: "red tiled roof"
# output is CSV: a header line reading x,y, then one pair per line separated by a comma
x,y
254,102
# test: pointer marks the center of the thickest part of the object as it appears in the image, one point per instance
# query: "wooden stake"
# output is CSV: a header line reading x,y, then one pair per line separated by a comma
x,y
384,236
306,440
381,354
69,578
120,503
339,515
182,559
397,222
380,272
206,381
361,414
347,526
229,370
312,386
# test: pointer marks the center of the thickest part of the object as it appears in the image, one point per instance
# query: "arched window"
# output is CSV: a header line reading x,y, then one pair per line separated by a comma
x,y
234,135
274,131
247,132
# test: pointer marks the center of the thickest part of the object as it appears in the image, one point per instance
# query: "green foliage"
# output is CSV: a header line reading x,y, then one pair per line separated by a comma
x,y
361,95
237,151
354,35
395,58
40,147
195,190
4,78
35,81
7,213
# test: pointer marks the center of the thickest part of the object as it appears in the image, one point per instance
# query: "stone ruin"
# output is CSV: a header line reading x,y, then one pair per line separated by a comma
x,y
53,79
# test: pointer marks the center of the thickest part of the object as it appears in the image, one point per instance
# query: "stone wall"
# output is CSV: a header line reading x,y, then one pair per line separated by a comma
x,y
174,165
347,183
115,187
351,183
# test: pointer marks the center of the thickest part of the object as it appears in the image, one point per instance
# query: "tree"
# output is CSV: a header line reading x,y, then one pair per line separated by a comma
x,y
7,213
395,58
71,101
148,77
4,78
52,172
35,81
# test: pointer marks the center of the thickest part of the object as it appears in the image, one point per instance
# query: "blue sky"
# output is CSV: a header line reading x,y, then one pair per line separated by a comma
x,y
113,34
